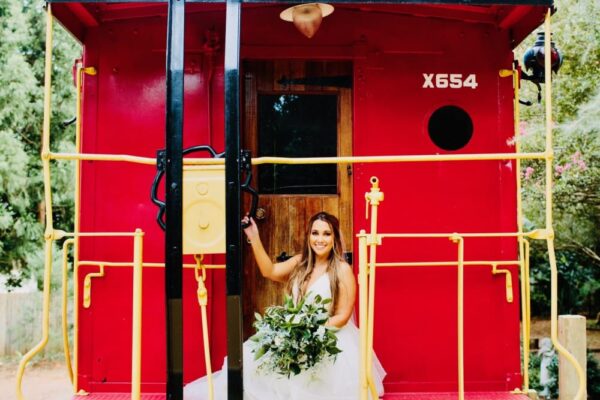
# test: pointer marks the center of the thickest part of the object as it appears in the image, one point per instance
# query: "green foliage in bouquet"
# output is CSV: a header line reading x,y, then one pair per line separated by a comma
x,y
292,338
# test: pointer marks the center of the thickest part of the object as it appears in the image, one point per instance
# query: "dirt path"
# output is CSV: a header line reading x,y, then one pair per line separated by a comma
x,y
42,381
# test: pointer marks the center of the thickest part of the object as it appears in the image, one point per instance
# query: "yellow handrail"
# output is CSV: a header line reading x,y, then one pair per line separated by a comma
x,y
77,205
445,263
367,277
514,73
309,160
59,234
524,310
65,325
535,234
76,227
145,265
112,157
527,294
48,237
550,240
398,158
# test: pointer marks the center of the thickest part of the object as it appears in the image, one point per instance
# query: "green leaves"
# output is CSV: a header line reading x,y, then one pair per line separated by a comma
x,y
292,338
22,48
576,166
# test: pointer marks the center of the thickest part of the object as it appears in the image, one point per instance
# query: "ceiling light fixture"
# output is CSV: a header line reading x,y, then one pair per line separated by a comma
x,y
307,17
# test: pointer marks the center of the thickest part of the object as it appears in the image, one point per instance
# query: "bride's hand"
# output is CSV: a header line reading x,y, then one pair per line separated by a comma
x,y
252,230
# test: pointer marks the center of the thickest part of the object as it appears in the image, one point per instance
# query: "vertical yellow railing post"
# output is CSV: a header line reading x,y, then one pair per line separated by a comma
x,y
524,322
550,236
461,328
517,139
49,232
77,217
362,307
76,228
136,351
374,197
527,289
65,318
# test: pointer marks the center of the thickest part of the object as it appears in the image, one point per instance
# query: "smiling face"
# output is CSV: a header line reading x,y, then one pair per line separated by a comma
x,y
321,239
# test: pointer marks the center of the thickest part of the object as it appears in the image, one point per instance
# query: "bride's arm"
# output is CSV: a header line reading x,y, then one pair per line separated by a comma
x,y
345,297
278,272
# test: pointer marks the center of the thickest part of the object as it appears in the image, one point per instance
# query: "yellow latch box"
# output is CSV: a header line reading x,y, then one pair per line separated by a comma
x,y
204,209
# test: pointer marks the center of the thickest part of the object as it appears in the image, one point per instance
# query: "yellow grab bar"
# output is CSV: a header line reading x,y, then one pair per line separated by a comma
x,y
309,160
398,158
87,286
508,277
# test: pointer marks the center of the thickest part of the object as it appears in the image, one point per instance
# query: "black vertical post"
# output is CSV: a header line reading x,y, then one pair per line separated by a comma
x,y
235,389
174,181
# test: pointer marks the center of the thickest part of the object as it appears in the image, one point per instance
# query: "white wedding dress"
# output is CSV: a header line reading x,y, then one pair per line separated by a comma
x,y
333,380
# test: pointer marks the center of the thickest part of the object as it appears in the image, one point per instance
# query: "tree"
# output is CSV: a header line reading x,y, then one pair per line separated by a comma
x,y
22,26
576,175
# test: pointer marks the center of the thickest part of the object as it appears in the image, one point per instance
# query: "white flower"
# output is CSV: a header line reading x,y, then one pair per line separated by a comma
x,y
321,332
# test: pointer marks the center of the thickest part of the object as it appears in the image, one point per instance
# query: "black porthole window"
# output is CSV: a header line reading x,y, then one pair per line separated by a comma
x,y
450,128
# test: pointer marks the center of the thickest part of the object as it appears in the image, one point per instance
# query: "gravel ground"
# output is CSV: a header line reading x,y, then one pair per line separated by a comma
x,y
48,380
42,381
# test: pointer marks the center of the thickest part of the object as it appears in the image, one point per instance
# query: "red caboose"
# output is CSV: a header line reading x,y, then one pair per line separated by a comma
x,y
420,95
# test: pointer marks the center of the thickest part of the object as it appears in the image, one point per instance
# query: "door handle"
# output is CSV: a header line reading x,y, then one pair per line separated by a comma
x,y
261,213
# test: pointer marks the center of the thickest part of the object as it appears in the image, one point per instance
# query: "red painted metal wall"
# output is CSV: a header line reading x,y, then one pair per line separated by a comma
x,y
124,113
415,326
416,312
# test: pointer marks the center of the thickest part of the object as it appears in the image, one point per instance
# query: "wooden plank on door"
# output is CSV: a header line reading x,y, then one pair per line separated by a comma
x,y
297,222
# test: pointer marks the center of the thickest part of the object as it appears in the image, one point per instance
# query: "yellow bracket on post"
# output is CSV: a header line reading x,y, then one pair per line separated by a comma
x,y
373,198
87,286
89,71
508,275
202,294
541,234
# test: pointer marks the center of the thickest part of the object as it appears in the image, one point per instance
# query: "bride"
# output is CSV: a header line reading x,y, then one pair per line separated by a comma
x,y
319,270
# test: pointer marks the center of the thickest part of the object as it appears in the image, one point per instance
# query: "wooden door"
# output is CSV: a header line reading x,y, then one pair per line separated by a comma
x,y
321,94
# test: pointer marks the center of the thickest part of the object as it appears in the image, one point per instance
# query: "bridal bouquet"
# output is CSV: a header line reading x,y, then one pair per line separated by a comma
x,y
293,338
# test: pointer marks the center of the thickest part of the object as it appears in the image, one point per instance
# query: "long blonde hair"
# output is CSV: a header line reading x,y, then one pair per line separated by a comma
x,y
302,272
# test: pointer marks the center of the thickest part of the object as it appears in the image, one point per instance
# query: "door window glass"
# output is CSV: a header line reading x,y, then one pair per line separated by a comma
x,y
297,125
